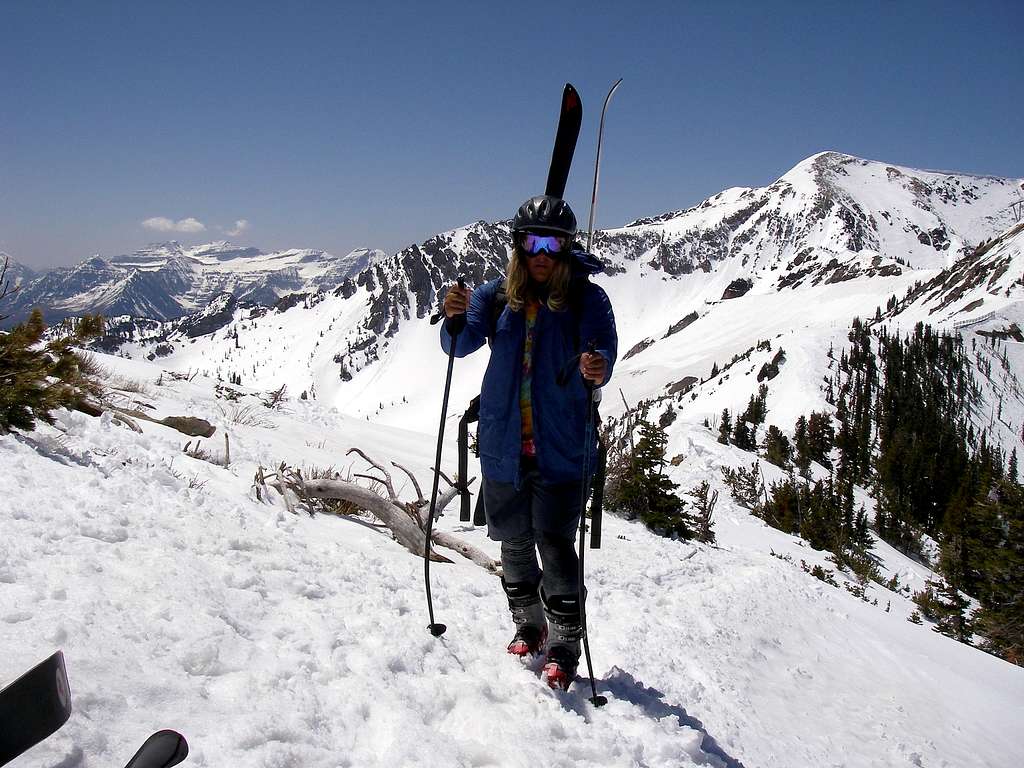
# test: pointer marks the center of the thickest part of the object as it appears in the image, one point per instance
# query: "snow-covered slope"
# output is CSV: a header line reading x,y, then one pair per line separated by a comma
x,y
167,280
989,279
273,639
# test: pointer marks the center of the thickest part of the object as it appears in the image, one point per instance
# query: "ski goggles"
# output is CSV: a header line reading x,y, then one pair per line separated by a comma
x,y
534,244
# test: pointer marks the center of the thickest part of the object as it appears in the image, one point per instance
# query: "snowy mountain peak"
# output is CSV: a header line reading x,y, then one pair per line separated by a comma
x,y
17,274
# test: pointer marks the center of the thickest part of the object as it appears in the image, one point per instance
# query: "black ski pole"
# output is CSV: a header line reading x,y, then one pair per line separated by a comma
x,y
588,432
454,326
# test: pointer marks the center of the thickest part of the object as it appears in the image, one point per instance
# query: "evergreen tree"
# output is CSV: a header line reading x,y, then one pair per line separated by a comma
x,y
725,428
820,438
637,486
37,378
802,447
742,436
777,448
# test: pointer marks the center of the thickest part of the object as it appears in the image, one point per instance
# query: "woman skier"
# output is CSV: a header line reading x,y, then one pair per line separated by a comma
x,y
544,314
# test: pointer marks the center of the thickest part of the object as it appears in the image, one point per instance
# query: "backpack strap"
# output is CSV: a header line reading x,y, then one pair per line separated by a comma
x,y
497,307
472,414
597,498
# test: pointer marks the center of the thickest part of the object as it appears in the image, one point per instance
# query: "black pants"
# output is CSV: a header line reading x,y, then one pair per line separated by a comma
x,y
538,516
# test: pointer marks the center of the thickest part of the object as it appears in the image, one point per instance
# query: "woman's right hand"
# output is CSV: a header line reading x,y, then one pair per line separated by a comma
x,y
456,301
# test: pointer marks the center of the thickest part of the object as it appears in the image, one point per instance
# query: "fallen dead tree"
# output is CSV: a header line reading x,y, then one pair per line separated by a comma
x,y
406,520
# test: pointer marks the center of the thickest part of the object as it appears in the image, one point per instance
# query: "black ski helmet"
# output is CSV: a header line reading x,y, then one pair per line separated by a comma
x,y
545,213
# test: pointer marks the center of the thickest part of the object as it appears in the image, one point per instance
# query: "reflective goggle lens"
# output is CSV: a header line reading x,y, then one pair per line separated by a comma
x,y
534,244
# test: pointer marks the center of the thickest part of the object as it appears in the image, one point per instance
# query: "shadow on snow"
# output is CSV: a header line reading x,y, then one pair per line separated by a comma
x,y
625,687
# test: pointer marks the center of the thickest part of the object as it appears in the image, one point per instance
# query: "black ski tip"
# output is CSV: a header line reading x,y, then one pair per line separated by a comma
x,y
571,97
39,702
570,118
161,750
599,701
437,629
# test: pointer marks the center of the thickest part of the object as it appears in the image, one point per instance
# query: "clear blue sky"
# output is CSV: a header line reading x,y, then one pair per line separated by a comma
x,y
337,125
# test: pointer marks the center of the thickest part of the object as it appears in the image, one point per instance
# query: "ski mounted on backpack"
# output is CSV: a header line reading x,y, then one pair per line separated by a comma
x,y
570,118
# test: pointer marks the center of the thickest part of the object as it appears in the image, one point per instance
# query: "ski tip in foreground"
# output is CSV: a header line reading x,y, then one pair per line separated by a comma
x,y
162,750
39,702
437,629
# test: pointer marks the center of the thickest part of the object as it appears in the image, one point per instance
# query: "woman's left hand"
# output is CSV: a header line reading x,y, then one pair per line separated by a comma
x,y
593,367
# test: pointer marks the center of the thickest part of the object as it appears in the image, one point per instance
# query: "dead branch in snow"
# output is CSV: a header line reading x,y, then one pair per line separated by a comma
x,y
406,520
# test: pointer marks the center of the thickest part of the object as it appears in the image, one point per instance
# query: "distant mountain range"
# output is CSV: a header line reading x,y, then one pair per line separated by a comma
x,y
166,281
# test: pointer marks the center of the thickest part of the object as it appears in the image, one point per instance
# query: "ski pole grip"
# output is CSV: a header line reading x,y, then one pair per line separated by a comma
x,y
454,325
591,349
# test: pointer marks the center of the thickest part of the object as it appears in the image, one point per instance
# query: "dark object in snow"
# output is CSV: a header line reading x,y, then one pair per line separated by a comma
x,y
189,425
34,707
161,750
683,386
677,327
219,313
737,288
771,369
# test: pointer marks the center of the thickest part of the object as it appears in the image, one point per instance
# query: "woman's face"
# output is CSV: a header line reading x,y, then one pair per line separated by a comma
x,y
539,266
541,250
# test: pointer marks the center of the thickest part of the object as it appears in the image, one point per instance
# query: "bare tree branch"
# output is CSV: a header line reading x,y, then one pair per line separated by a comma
x,y
404,520
419,493
397,519
468,551
387,482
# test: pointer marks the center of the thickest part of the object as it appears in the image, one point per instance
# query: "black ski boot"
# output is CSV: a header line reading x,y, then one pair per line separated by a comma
x,y
528,616
563,656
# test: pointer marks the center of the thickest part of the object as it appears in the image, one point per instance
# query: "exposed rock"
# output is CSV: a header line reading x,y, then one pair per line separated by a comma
x,y
683,386
677,327
737,288
666,418
291,300
189,425
220,312
637,348
771,369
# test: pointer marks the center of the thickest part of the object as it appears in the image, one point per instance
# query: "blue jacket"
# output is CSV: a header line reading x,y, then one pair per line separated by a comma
x,y
559,412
